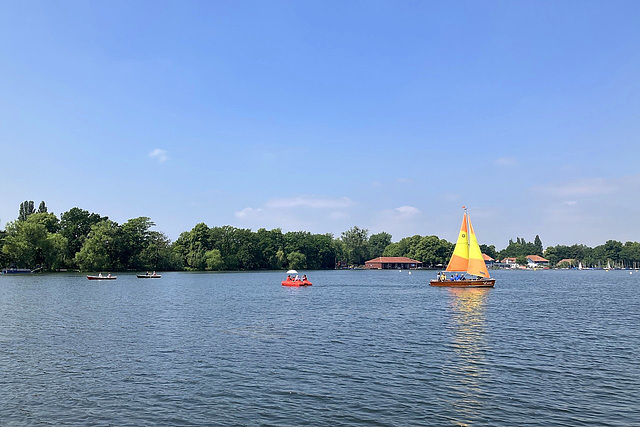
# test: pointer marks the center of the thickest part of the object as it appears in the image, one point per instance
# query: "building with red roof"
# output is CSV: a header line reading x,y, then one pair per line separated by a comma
x,y
510,262
488,260
569,261
391,262
537,261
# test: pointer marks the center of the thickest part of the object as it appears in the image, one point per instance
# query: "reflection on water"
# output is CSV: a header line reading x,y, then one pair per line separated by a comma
x,y
469,345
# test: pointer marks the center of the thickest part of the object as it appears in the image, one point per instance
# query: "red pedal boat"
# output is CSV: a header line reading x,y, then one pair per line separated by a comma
x,y
295,281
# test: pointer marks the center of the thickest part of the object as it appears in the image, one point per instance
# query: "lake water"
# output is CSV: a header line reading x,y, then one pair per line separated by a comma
x,y
357,348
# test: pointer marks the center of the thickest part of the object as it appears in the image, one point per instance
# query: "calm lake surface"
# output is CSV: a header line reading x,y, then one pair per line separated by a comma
x,y
357,348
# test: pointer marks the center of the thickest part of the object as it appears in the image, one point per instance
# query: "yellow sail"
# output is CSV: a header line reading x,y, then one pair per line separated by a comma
x,y
460,258
476,264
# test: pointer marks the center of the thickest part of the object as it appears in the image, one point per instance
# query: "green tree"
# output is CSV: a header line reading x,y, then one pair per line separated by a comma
x,y
4,258
521,247
377,244
355,244
612,250
135,236
26,209
158,254
522,260
48,220
214,259
42,208
75,225
432,251
394,249
297,260
630,254
538,246
101,249
270,244
29,244
192,245
281,258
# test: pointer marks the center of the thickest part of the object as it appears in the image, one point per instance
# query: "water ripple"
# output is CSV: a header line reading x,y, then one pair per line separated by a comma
x,y
357,348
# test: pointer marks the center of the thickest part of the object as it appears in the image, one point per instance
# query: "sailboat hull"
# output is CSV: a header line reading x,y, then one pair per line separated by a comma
x,y
482,283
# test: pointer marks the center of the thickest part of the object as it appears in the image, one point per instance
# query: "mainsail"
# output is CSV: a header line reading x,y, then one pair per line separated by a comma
x,y
477,265
467,255
460,258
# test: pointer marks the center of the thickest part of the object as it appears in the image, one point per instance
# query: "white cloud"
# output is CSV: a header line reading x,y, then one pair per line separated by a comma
x,y
159,154
309,213
407,211
309,202
506,161
247,213
404,180
586,210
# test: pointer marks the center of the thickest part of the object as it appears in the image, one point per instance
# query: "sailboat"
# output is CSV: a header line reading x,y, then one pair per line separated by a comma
x,y
467,257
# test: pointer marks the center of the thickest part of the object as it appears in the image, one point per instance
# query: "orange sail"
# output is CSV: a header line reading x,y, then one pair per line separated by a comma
x,y
476,266
460,258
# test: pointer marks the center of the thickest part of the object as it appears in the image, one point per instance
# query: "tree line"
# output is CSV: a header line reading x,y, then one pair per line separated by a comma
x,y
87,241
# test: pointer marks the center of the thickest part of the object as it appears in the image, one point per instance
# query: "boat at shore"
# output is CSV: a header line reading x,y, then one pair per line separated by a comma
x,y
17,271
466,258
101,277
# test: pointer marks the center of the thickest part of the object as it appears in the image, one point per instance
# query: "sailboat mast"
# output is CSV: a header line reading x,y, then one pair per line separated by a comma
x,y
466,216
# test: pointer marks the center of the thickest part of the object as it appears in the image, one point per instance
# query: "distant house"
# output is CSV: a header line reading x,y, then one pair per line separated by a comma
x,y
537,261
391,262
569,261
488,260
510,262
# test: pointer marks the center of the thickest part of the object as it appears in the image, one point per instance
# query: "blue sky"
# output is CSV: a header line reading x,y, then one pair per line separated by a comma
x,y
323,115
